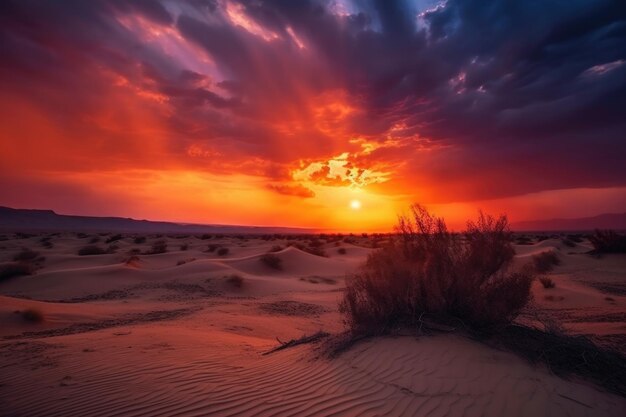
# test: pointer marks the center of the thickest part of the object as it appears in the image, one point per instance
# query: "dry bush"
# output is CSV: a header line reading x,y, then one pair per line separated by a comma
x,y
341,251
160,246
545,261
139,240
15,269
223,251
212,247
184,246
428,270
91,250
272,261
608,241
276,248
28,255
547,282
32,315
113,238
235,280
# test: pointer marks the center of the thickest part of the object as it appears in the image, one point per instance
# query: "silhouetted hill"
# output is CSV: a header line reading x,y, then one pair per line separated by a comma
x,y
48,220
616,221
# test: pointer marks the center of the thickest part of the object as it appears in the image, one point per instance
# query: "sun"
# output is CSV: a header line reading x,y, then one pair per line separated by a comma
x,y
355,204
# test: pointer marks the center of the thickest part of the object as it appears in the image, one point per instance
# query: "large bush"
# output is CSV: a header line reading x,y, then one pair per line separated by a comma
x,y
608,241
428,271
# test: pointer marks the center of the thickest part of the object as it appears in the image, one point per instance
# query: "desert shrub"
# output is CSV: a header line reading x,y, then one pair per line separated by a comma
x,y
568,242
341,251
235,280
160,246
212,247
138,240
547,282
33,315
524,240
428,270
15,269
91,250
316,250
28,255
184,246
206,236
271,261
545,261
276,248
113,238
608,241
222,251
94,239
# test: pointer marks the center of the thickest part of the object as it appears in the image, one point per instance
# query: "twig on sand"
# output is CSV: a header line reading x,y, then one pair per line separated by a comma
x,y
295,342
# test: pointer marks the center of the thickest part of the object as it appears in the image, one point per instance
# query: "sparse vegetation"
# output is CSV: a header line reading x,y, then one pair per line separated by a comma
x,y
341,251
159,246
184,247
138,240
212,247
14,269
271,261
222,251
32,315
28,255
545,261
547,282
427,270
235,280
608,241
276,248
113,238
91,250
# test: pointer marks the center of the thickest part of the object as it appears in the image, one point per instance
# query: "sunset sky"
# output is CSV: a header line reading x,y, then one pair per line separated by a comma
x,y
327,114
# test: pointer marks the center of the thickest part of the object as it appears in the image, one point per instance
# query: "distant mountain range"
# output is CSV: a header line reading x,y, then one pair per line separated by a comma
x,y
616,221
47,220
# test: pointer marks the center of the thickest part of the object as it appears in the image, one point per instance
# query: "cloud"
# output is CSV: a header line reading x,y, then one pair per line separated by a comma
x,y
449,101
296,190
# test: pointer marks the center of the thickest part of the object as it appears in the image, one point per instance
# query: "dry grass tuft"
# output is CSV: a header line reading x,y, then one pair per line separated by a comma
x,y
271,261
235,280
545,261
547,282
32,315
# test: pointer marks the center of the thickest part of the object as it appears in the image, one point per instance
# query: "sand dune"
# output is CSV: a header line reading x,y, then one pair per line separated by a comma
x,y
159,338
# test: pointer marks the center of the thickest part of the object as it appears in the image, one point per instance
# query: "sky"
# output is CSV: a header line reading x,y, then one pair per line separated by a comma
x,y
321,113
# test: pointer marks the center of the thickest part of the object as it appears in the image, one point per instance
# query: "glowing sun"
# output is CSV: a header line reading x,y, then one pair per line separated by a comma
x,y
355,204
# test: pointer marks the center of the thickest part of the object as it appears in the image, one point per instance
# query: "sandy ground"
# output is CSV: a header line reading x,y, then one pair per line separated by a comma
x,y
171,335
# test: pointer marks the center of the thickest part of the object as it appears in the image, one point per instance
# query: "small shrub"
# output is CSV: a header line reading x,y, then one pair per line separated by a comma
x,y
27,255
206,236
113,238
94,239
276,248
568,242
608,241
184,246
138,240
547,282
32,315
212,247
341,251
428,270
272,261
160,246
14,269
545,261
222,251
91,250
235,280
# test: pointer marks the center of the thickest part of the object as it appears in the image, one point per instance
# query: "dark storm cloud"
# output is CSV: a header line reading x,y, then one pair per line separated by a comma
x,y
515,96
